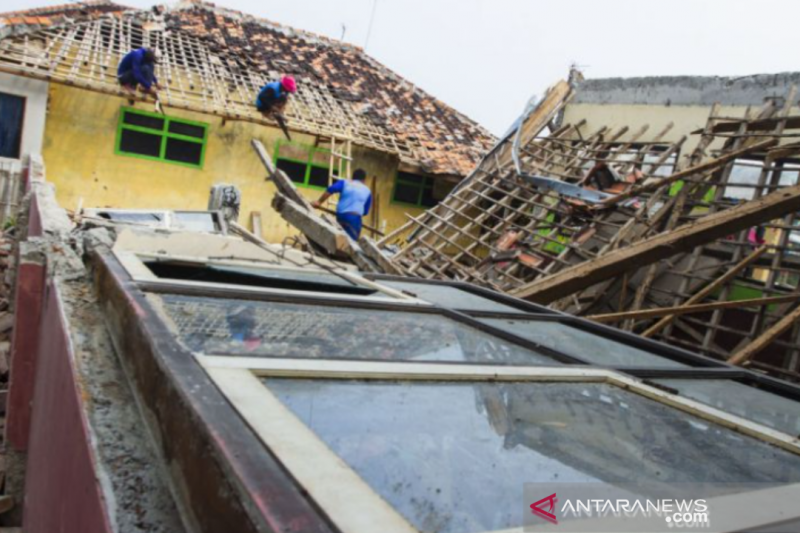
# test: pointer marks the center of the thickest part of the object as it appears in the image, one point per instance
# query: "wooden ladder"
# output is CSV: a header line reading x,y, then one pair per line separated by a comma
x,y
341,159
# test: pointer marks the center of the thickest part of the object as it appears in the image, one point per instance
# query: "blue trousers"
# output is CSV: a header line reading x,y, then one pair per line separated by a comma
x,y
351,222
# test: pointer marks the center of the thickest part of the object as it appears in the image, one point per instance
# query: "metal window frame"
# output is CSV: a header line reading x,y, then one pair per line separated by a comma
x,y
348,500
309,163
164,134
422,186
157,361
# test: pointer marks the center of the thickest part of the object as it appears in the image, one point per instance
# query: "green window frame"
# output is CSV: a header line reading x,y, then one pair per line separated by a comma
x,y
409,182
309,162
172,132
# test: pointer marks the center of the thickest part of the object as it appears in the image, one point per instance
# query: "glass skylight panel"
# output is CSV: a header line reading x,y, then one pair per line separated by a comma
x,y
260,328
742,400
446,296
453,457
570,340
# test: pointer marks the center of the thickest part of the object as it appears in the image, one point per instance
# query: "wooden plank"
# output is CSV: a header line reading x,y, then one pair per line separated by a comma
x,y
766,338
663,245
687,309
708,166
372,251
331,238
279,178
255,223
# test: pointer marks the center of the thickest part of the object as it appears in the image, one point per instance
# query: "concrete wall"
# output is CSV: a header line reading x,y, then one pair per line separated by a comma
x,y
79,153
35,93
683,100
740,91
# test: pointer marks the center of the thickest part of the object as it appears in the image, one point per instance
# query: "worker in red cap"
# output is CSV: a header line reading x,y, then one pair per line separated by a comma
x,y
273,96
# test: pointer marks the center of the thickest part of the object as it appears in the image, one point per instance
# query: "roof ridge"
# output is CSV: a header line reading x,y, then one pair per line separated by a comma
x,y
289,30
182,5
62,7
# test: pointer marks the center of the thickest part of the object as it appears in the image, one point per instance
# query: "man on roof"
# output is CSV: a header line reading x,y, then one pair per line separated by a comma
x,y
137,70
273,96
355,199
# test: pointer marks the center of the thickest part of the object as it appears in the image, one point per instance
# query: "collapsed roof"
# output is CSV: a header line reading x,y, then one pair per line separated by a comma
x,y
697,249
216,59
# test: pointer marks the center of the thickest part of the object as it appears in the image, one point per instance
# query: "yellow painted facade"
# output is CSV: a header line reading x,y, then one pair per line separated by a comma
x,y
79,141
684,119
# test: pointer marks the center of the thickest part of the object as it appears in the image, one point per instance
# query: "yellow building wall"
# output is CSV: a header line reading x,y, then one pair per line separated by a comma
x,y
685,119
78,150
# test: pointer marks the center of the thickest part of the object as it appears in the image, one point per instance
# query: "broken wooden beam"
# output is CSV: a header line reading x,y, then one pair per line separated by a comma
x,y
710,288
702,168
661,246
331,238
371,250
279,178
694,308
766,338
328,235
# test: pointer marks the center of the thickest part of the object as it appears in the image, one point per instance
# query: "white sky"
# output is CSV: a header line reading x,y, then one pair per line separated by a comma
x,y
487,57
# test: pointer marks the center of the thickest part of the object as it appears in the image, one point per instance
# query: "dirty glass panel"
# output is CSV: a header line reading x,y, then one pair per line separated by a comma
x,y
190,130
140,217
578,343
184,151
453,457
742,400
145,121
194,221
136,142
744,172
274,329
447,296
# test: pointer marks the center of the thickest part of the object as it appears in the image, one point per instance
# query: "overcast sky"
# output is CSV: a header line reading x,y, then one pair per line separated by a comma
x,y
487,57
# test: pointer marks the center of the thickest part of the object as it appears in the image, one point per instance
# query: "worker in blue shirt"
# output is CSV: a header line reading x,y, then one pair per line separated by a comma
x,y
273,96
355,199
137,69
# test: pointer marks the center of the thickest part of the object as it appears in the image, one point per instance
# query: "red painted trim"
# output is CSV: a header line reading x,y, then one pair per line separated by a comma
x,y
34,218
28,302
62,492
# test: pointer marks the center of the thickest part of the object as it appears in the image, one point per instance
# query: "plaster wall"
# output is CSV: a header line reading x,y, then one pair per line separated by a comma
x,y
78,150
35,94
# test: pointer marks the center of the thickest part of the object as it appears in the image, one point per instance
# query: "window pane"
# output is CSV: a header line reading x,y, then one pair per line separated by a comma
x,y
410,178
194,221
427,197
144,121
406,193
256,277
274,329
184,151
578,343
136,217
295,171
744,172
136,142
453,457
448,296
318,177
742,400
12,113
190,130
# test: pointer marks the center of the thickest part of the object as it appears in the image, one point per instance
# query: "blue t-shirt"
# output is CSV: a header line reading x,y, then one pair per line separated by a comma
x,y
142,70
354,197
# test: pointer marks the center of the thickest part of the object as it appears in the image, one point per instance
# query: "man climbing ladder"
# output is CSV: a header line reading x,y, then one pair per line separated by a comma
x,y
355,200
